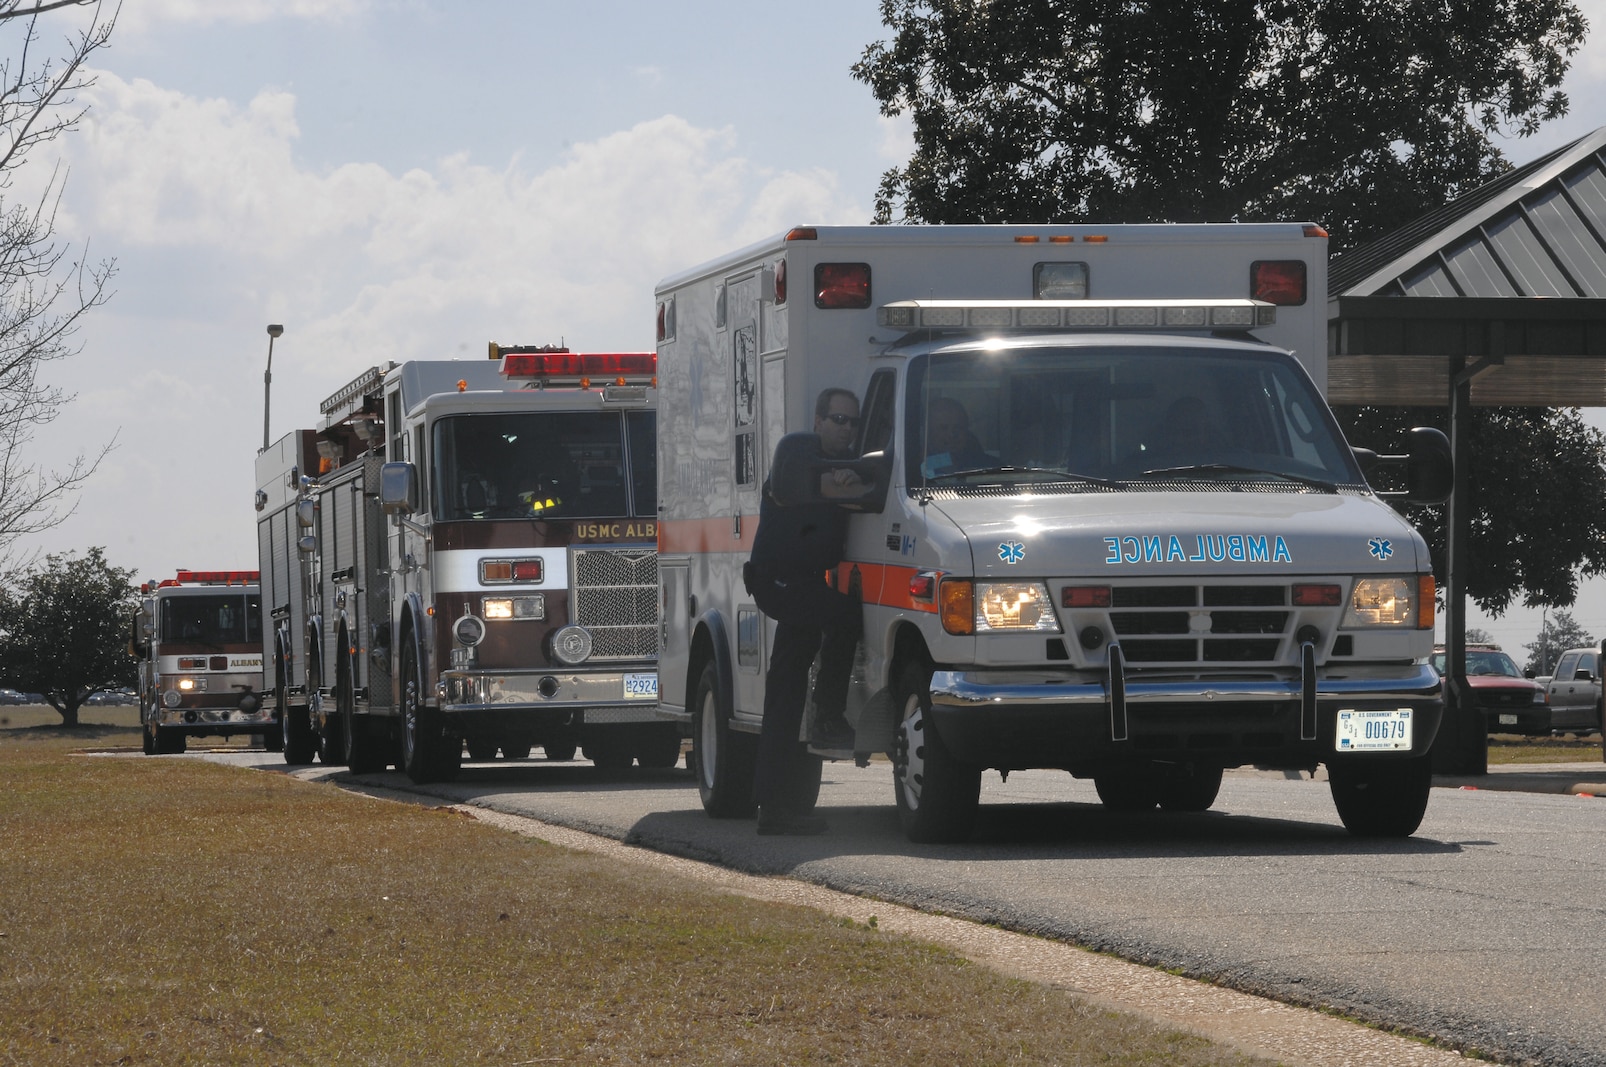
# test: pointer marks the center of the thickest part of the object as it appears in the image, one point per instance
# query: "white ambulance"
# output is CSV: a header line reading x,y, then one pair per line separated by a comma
x,y
1148,554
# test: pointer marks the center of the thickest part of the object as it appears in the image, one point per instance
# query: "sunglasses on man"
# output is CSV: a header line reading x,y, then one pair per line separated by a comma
x,y
842,420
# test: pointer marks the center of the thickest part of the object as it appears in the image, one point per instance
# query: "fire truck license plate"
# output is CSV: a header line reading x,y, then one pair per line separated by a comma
x,y
1374,731
641,686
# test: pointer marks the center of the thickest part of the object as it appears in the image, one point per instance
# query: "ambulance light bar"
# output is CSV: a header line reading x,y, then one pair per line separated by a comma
x,y
605,368
1076,314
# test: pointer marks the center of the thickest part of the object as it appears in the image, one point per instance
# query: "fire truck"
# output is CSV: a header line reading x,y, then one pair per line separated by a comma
x,y
1111,525
464,553
198,641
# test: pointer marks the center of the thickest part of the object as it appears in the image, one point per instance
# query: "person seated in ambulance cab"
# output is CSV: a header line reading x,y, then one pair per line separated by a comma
x,y
950,446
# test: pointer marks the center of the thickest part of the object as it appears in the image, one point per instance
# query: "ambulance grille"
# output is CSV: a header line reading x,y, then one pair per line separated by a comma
x,y
1156,624
616,598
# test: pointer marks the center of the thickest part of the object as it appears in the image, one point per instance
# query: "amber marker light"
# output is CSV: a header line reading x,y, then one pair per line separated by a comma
x,y
957,606
1424,601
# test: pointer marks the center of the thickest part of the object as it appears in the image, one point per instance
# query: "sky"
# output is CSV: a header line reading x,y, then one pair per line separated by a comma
x,y
411,179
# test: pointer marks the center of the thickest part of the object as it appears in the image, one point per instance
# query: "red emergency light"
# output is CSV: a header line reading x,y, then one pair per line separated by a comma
x,y
600,365
213,577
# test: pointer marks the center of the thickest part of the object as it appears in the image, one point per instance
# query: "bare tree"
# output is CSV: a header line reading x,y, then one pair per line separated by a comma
x,y
46,288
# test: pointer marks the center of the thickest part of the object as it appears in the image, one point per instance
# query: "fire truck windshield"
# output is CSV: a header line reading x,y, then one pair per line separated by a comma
x,y
546,465
213,619
1120,416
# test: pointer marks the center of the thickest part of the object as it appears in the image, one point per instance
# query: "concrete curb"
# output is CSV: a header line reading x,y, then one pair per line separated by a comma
x,y
1578,779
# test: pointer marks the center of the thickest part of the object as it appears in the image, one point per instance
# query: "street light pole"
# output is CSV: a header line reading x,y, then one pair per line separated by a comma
x,y
275,330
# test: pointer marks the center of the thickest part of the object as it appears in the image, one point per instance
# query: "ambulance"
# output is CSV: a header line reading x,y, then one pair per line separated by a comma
x,y
1112,526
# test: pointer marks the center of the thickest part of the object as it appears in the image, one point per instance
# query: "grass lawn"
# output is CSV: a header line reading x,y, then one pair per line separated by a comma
x,y
1562,748
173,911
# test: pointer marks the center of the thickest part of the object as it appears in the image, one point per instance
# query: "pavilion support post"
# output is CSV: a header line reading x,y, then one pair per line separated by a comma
x,y
1463,742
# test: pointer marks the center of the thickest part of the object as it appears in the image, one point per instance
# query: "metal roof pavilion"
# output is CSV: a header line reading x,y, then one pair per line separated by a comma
x,y
1509,279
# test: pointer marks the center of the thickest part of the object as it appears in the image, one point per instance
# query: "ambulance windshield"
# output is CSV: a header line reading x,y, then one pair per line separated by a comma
x,y
546,465
213,619
1119,417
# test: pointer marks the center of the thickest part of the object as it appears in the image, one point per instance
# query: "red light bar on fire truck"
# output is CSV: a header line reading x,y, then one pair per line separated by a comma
x,y
550,368
1076,314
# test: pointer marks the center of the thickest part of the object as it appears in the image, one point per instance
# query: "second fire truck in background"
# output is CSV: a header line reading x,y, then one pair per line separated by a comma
x,y
465,552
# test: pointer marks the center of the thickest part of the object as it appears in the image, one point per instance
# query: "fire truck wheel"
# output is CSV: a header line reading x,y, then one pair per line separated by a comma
x,y
273,739
937,793
365,743
1187,786
481,751
519,751
170,742
658,747
300,744
428,753
1129,788
1381,798
560,750
725,758
147,735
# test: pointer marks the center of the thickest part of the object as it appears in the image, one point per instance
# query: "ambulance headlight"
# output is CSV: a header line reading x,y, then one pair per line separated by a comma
x,y
1014,607
1383,602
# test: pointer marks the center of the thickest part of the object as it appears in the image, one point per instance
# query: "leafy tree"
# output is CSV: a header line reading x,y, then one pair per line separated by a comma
x,y
64,626
1537,491
1557,634
1359,116
45,290
1482,637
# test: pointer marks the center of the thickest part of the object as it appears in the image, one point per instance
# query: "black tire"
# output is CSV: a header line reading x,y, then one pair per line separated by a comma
x,y
1187,786
481,751
330,730
937,794
273,739
365,738
428,753
300,744
1381,797
658,747
560,750
518,751
1131,788
147,730
170,742
608,749
725,758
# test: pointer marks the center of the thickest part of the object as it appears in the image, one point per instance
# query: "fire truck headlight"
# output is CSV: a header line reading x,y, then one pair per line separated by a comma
x,y
572,645
1014,607
469,630
171,698
186,684
1382,602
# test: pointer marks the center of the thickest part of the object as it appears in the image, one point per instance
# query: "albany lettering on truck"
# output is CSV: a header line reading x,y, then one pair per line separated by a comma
x,y
197,638
464,553
1113,527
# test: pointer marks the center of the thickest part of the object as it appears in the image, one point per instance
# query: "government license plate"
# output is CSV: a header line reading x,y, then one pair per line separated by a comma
x,y
1374,731
641,686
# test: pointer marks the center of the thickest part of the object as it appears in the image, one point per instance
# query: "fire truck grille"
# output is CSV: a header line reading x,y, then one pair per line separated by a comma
x,y
616,598
1181,624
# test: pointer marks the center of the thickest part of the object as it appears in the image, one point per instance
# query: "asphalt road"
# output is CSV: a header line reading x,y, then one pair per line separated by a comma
x,y
1485,930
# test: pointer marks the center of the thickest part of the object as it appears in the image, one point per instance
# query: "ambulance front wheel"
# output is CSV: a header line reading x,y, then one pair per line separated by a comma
x,y
937,793
725,759
1381,797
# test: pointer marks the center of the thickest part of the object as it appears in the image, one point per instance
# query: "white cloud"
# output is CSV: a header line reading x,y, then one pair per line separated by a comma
x,y
219,230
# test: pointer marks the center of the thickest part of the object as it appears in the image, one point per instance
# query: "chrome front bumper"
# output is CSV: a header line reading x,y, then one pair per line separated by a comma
x,y
600,695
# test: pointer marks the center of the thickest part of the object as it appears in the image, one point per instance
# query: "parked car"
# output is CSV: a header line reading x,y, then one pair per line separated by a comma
x,y
11,696
1511,704
1574,692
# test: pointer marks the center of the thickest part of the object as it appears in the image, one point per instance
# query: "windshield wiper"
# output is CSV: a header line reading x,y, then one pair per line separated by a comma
x,y
1232,468
1064,476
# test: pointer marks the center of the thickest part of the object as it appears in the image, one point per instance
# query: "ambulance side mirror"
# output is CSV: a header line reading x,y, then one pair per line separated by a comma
x,y
398,488
1429,468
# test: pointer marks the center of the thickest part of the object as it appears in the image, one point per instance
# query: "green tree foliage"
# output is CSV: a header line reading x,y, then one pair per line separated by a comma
x,y
64,628
1538,497
1557,634
1359,116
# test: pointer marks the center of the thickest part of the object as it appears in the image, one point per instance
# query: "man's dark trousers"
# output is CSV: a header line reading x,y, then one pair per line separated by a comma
x,y
806,612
